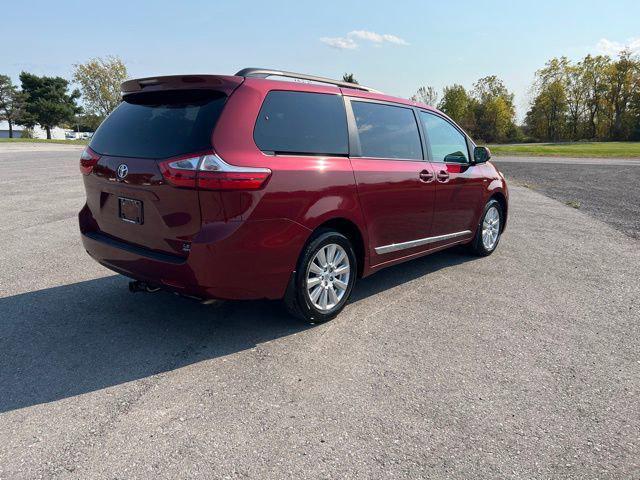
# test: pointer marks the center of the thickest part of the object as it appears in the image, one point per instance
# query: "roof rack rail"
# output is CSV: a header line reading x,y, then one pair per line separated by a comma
x,y
267,72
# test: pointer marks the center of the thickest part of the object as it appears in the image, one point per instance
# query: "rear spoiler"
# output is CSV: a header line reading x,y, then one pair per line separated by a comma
x,y
221,83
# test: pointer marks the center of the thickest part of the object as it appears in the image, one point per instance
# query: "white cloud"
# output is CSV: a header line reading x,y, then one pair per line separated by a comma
x,y
393,39
377,37
365,35
613,48
348,42
340,43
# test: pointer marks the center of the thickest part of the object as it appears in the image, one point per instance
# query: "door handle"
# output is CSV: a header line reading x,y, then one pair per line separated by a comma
x,y
426,176
443,176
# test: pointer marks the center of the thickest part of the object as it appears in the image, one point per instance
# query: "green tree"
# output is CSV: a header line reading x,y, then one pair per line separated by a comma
x,y
100,80
426,95
594,76
11,103
634,130
554,70
576,88
623,80
490,87
547,116
495,119
348,77
47,101
494,111
457,103
87,122
594,98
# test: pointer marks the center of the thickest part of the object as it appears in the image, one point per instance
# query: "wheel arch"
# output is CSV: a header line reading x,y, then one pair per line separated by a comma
x,y
504,205
350,230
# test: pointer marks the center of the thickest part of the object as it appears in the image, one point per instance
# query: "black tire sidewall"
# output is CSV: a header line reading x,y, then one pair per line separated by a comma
x,y
478,246
307,309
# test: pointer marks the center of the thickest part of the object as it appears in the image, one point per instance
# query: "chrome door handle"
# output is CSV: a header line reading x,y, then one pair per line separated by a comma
x,y
426,176
443,176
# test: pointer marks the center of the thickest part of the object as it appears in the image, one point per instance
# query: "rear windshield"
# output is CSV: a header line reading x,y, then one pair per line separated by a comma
x,y
160,124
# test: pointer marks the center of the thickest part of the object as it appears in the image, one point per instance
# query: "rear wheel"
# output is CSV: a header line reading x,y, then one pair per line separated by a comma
x,y
324,278
489,229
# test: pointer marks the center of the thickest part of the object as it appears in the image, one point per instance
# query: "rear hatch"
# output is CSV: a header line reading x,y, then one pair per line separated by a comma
x,y
126,192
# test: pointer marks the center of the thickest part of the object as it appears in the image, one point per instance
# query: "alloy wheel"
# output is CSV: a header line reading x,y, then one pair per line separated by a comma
x,y
491,228
328,277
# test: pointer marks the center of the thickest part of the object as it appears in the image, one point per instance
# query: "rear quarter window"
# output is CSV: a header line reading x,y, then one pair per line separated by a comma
x,y
302,123
160,124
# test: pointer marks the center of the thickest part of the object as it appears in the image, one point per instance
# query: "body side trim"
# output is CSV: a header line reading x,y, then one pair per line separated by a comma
x,y
394,247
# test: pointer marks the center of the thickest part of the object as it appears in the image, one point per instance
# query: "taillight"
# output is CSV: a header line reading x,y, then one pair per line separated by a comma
x,y
210,172
215,174
182,172
88,160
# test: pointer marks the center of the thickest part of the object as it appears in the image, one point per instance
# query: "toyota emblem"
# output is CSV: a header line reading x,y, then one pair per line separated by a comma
x,y
123,170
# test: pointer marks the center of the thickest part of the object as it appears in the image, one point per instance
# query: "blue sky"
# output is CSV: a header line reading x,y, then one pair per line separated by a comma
x,y
394,46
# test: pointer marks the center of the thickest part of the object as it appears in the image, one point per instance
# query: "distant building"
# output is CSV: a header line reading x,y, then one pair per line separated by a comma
x,y
38,132
4,130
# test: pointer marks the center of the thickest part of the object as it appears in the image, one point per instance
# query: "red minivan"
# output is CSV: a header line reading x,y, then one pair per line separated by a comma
x,y
255,186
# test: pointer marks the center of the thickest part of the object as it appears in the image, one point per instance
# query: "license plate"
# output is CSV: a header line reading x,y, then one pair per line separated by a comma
x,y
130,210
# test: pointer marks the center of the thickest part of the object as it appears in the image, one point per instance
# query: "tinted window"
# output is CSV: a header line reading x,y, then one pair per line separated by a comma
x,y
386,131
160,124
301,122
447,143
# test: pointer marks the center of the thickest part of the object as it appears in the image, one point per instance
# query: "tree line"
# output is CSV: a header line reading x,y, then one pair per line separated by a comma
x,y
596,98
49,101
487,112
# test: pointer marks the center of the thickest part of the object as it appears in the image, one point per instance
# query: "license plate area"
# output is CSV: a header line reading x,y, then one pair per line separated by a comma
x,y
130,210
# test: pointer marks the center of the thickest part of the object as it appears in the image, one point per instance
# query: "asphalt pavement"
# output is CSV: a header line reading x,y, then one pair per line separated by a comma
x,y
608,189
524,364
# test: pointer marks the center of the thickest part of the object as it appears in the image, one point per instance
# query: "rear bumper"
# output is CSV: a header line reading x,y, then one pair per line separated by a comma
x,y
228,260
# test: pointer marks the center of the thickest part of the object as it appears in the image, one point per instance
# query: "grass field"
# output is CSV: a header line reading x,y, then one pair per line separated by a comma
x,y
40,140
570,149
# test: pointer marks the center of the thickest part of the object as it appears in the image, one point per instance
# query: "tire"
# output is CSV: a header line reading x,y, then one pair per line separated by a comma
x,y
489,229
331,283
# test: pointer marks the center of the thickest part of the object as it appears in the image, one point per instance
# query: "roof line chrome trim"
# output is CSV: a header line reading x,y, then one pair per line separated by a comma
x,y
394,247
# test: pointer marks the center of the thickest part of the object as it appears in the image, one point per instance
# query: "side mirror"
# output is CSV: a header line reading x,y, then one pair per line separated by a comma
x,y
481,155
456,157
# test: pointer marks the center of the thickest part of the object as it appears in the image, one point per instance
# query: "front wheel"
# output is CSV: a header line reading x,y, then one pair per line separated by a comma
x,y
489,229
324,278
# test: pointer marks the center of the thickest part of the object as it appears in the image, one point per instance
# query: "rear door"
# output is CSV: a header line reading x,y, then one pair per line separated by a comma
x,y
459,185
126,192
395,183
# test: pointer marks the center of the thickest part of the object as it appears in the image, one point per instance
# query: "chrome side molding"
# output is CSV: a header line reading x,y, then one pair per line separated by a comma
x,y
394,247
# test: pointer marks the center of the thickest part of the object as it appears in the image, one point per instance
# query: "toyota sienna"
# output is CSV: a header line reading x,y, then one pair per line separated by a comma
x,y
276,185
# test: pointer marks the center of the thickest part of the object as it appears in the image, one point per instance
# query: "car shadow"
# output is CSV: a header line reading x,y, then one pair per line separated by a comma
x,y
74,339
405,272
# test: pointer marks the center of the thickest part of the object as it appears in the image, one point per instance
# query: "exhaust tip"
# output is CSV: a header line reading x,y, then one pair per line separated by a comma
x,y
138,286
